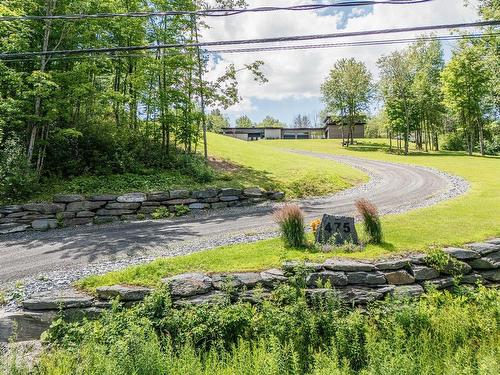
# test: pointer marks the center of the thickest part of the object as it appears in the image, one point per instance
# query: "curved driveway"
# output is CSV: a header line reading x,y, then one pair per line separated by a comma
x,y
392,187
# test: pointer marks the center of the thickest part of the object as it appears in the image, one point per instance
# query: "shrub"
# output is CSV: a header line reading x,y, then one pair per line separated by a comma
x,y
181,210
371,220
291,221
161,213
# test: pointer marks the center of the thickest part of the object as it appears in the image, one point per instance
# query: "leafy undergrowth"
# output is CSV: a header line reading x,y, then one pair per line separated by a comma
x,y
439,334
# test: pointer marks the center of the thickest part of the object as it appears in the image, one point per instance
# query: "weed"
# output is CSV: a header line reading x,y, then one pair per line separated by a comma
x,y
161,213
181,210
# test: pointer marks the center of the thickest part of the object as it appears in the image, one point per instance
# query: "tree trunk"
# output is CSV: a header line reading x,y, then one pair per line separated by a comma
x,y
481,137
202,95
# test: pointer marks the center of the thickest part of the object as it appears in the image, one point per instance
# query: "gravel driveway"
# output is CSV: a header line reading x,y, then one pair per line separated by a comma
x,y
47,259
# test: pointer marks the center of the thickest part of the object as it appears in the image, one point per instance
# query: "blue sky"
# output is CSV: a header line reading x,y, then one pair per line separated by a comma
x,y
295,76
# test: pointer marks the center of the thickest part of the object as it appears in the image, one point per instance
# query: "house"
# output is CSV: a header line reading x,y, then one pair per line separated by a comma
x,y
330,130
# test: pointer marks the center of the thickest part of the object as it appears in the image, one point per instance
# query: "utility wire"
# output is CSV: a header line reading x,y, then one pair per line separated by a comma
x,y
249,41
211,12
280,48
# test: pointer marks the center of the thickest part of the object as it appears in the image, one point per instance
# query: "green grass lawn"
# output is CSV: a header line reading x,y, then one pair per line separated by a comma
x,y
250,164
472,217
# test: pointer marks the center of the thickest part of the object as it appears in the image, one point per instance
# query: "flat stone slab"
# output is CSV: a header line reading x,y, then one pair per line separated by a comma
x,y
489,262
339,264
103,197
292,265
392,264
399,277
407,291
253,192
461,254
84,206
158,196
273,277
491,275
123,292
421,273
131,198
204,299
13,228
332,278
67,198
44,208
483,248
188,284
179,194
236,280
440,283
366,278
494,241
44,224
64,299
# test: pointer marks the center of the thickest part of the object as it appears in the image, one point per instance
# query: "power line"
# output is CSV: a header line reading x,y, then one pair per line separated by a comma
x,y
211,12
249,41
285,47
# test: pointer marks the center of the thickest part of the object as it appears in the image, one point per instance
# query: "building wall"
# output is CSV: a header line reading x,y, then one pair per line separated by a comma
x,y
272,133
335,132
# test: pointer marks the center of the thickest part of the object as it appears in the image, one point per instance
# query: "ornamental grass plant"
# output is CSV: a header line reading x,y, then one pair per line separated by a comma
x,y
371,220
290,219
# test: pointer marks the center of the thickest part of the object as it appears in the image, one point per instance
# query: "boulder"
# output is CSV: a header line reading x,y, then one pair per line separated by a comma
x,y
183,201
366,278
85,214
441,283
407,291
491,275
421,273
392,264
104,212
19,326
188,284
461,254
399,277
253,192
123,292
84,206
122,206
277,196
58,300
333,278
67,198
205,194
199,206
483,248
158,196
338,264
228,198
456,267
272,277
44,224
229,192
11,209
489,262
13,228
103,197
179,194
45,208
131,198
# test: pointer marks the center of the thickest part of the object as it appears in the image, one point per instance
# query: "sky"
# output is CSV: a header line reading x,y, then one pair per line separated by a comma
x,y
295,77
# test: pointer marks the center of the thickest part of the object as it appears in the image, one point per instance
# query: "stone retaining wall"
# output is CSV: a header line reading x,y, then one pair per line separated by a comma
x,y
71,210
355,282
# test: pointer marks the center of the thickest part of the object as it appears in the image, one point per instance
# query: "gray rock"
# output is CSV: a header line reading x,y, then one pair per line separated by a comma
x,y
489,262
228,198
366,278
333,278
229,192
21,214
122,206
483,248
421,273
360,295
158,196
219,205
399,277
128,217
131,198
179,194
461,254
147,210
11,209
272,277
36,216
184,201
456,267
123,292
44,224
441,283
198,206
407,291
104,212
210,200
84,206
392,264
491,275
254,296
494,241
209,298
277,196
205,194
57,300
248,279
77,221
151,204
66,215
292,265
253,192
472,278
67,198
418,258
103,219
85,214
339,264
19,326
13,228
236,280
103,197
44,208
189,284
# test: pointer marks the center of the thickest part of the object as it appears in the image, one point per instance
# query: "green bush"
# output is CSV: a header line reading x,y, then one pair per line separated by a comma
x,y
161,213
181,210
291,222
371,220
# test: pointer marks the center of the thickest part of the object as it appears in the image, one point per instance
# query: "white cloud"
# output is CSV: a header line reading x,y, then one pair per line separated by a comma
x,y
299,73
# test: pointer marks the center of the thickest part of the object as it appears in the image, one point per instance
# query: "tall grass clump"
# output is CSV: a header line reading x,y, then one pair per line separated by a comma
x,y
290,218
371,220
